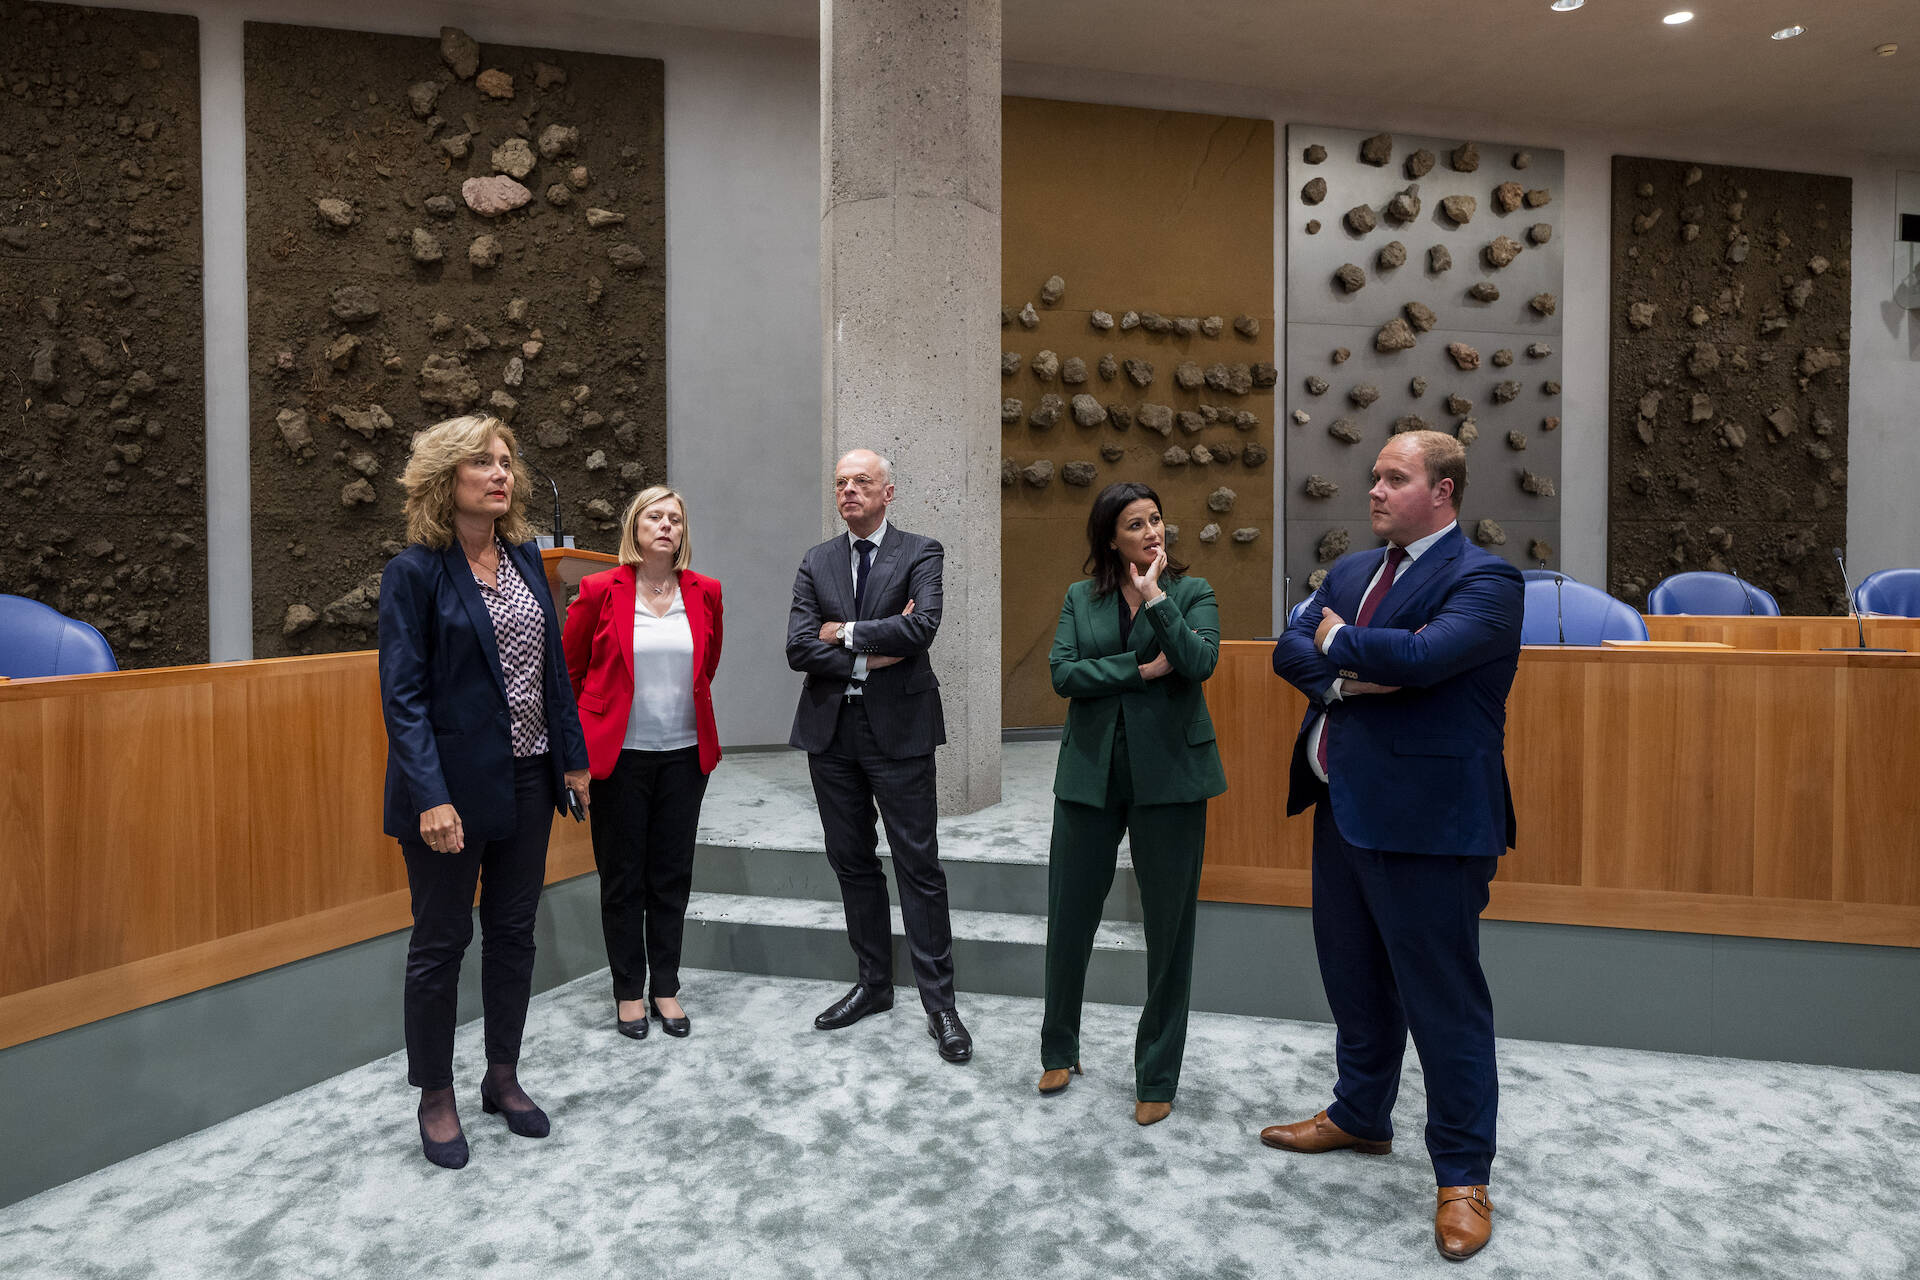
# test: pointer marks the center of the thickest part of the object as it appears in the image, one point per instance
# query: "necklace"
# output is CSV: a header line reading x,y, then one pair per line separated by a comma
x,y
660,590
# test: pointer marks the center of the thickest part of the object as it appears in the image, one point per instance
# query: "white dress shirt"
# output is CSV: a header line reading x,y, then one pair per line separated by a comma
x,y
662,714
853,565
1335,691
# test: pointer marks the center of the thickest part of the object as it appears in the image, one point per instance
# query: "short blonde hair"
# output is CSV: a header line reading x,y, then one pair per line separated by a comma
x,y
630,546
1446,459
430,477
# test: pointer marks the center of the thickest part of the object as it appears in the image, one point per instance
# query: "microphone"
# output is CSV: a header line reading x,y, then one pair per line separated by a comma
x,y
1744,589
1559,615
557,540
1859,627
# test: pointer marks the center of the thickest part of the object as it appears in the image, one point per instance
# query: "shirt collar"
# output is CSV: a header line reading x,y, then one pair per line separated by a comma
x,y
875,537
1418,547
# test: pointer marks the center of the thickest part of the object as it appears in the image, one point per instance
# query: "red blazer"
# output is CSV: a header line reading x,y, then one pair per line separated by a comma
x,y
598,638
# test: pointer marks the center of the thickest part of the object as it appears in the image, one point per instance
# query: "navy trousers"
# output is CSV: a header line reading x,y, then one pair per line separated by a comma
x,y
510,872
1398,936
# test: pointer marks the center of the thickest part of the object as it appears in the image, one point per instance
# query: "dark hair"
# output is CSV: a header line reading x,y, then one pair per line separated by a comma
x,y
1103,561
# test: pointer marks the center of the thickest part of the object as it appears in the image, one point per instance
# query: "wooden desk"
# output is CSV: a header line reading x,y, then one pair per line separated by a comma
x,y
171,829
1796,634
1764,794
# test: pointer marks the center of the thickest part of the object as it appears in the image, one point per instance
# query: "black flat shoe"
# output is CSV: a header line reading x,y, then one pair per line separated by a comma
x,y
635,1030
955,1044
853,1006
530,1123
677,1027
451,1154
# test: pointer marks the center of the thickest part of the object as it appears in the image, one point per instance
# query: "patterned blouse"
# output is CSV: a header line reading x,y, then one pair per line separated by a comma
x,y
520,630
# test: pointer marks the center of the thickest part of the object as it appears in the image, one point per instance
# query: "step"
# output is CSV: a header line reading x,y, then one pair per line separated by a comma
x,y
993,951
1018,886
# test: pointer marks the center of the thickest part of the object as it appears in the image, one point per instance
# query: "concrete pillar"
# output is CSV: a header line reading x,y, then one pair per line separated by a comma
x,y
909,289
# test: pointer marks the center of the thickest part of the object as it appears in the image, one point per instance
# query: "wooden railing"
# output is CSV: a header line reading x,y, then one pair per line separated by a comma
x,y
171,829
1706,791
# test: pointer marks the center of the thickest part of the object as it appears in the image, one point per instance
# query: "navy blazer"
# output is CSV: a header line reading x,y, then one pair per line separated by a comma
x,y
449,739
902,700
1422,770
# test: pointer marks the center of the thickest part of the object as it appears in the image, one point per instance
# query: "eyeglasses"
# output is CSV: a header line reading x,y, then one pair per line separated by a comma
x,y
843,483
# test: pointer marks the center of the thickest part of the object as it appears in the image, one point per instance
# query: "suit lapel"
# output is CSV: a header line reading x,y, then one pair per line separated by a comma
x,y
1352,594
839,554
1103,625
621,599
468,590
886,564
1414,580
696,607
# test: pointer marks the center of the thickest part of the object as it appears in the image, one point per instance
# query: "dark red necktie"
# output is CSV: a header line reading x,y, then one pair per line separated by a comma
x,y
1368,608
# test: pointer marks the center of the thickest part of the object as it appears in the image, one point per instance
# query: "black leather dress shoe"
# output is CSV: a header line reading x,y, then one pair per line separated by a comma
x,y
955,1044
634,1030
530,1122
853,1006
672,1026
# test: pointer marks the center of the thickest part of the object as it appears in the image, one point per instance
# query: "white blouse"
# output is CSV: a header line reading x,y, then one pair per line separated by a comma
x,y
662,714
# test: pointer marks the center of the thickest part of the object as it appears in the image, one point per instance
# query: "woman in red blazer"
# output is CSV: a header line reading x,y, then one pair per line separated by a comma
x,y
642,644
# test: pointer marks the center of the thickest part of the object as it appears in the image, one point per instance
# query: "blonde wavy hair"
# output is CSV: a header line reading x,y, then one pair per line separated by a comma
x,y
433,469
630,545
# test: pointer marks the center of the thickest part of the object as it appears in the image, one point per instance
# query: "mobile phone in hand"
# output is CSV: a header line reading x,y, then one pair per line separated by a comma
x,y
574,807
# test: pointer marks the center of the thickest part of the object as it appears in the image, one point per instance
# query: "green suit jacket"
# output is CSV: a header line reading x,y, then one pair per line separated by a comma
x,y
1170,738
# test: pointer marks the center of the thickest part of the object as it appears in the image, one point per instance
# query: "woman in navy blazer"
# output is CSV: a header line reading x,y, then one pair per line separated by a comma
x,y
483,744
643,642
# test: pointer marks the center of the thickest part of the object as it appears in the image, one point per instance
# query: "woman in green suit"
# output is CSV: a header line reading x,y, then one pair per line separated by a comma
x,y
1134,643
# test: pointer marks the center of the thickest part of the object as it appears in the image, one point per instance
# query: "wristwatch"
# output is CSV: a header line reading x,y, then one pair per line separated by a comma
x,y
840,634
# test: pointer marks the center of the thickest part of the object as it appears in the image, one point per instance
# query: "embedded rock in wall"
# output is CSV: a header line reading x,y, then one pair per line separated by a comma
x,y
1420,163
1052,291
1717,455
448,157
1314,192
1458,209
1350,277
1393,255
1377,150
1360,220
103,449
1395,335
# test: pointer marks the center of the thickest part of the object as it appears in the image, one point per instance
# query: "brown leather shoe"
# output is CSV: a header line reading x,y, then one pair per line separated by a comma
x,y
1059,1078
1151,1112
1320,1134
1463,1222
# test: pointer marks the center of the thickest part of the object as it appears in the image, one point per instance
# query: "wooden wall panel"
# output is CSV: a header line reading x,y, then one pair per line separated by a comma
x,y
175,828
1769,794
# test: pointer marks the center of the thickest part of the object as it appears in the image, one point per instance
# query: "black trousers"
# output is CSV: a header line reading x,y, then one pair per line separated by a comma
x,y
645,815
510,872
848,777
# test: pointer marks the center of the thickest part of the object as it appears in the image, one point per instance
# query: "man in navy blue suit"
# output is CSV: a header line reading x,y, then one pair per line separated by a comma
x,y
1406,656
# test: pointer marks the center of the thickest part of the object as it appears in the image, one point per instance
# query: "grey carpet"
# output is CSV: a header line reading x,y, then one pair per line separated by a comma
x,y
760,1147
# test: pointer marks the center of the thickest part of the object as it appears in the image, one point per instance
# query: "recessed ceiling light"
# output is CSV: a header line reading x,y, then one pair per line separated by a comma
x,y
1567,6
1675,19
1788,33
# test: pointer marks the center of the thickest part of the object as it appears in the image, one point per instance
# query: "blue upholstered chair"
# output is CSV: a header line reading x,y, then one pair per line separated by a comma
x,y
1588,615
1295,611
1717,593
38,641
1894,593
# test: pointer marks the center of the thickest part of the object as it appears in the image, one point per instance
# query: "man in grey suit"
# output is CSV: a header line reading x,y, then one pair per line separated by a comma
x,y
866,606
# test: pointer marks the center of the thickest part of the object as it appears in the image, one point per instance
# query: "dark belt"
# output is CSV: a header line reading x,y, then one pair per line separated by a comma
x,y
856,690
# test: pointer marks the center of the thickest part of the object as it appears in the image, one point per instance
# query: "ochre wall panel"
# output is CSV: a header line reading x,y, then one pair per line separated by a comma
x,y
1152,212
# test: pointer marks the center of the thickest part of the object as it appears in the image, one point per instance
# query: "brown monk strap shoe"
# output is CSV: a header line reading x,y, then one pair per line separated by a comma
x,y
1463,1222
1320,1134
1145,1113
1058,1078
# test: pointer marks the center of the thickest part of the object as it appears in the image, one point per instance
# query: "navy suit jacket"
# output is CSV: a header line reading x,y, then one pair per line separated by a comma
x,y
449,740
1422,770
903,700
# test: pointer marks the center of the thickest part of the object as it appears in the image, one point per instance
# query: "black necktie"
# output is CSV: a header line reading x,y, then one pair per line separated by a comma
x,y
865,549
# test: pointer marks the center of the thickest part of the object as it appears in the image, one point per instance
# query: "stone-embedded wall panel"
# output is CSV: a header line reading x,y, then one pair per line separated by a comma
x,y
438,227
102,447
1137,279
1424,280
1729,378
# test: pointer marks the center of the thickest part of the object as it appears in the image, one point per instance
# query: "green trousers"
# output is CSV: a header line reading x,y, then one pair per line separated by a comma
x,y
1168,840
